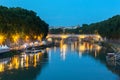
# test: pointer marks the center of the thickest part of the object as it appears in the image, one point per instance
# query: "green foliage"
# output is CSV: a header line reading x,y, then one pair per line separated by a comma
x,y
108,28
21,21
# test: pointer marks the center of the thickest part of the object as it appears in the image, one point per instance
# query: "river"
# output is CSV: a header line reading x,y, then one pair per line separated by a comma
x,y
69,61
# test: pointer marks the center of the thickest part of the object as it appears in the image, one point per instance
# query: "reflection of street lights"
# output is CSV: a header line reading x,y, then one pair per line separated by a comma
x,y
63,51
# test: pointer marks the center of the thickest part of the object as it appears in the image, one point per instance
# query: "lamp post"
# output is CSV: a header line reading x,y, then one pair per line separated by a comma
x,y
2,38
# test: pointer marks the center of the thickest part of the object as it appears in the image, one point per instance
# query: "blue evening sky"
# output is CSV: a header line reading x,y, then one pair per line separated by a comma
x,y
69,12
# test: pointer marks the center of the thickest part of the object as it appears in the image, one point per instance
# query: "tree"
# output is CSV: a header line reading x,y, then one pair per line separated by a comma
x,y
21,21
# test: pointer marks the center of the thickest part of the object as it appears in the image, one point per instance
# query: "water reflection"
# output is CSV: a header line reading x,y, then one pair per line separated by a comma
x,y
76,57
94,50
91,63
22,66
81,48
114,66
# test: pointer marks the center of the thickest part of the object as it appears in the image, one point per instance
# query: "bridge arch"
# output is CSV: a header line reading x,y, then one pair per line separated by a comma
x,y
65,36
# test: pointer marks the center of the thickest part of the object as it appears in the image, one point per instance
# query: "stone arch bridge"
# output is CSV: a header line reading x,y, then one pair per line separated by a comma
x,y
84,36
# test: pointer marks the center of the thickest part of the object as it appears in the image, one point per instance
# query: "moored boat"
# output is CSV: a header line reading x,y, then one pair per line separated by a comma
x,y
33,50
4,49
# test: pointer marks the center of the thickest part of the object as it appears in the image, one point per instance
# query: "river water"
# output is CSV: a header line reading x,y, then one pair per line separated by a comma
x,y
69,61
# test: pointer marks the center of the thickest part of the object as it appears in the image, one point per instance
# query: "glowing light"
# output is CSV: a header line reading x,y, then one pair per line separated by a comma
x,y
22,63
31,44
15,62
63,51
82,48
26,38
98,48
1,67
27,59
10,66
2,39
49,39
61,44
34,61
64,36
91,47
98,36
35,37
39,37
36,43
82,36
15,38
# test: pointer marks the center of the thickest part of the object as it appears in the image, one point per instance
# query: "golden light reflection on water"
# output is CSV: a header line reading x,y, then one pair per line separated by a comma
x,y
63,51
20,61
27,60
1,67
34,60
81,47
15,62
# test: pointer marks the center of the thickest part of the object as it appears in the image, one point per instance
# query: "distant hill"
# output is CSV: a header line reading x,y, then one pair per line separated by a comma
x,y
108,28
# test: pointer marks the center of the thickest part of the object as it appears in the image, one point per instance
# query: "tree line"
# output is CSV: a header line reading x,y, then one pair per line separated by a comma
x,y
22,22
109,28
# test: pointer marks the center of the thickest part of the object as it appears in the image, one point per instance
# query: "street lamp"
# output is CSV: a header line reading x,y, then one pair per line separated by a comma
x,y
2,38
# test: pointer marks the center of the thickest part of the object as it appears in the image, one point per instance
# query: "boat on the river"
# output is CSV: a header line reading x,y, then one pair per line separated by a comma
x,y
4,49
32,50
113,57
110,56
